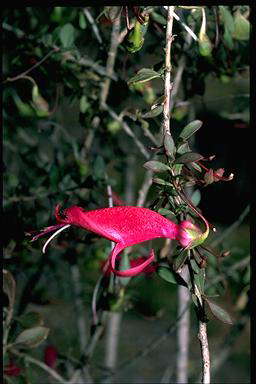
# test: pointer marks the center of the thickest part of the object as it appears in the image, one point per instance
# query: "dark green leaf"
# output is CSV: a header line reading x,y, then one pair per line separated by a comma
x,y
169,145
32,337
67,35
190,129
183,148
156,166
153,112
9,287
227,18
188,158
145,74
156,180
180,260
219,312
166,212
30,319
200,278
170,276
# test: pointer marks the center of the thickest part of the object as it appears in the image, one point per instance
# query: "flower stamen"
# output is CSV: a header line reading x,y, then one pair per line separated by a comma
x,y
55,234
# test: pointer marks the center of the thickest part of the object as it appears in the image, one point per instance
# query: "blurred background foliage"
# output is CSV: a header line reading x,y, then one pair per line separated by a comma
x,y
60,146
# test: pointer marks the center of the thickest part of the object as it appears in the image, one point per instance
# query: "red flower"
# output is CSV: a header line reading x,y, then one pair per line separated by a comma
x,y
50,356
125,226
12,369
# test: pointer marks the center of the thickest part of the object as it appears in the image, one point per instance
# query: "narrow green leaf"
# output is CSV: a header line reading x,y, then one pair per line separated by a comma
x,y
180,260
153,112
156,166
166,212
219,312
190,129
158,181
82,21
169,145
183,148
9,287
227,18
67,35
188,158
170,276
145,74
32,337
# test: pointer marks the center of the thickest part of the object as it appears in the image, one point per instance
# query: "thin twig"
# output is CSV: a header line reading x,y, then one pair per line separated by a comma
x,y
230,229
148,348
167,76
40,364
183,331
144,189
128,130
87,62
202,335
93,25
21,75
111,60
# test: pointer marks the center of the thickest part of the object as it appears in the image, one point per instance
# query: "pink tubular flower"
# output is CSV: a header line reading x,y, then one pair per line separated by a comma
x,y
125,226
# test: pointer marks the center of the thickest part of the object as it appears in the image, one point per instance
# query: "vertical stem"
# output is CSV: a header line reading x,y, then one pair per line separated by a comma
x,y
167,77
183,331
110,60
202,328
112,338
202,335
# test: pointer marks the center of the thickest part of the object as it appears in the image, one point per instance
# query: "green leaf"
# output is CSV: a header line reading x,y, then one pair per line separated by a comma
x,y
190,129
29,320
157,180
32,337
180,260
196,197
143,75
188,158
227,37
156,166
169,145
67,35
170,276
242,27
158,18
200,279
166,212
153,112
219,312
82,21
9,287
84,105
227,18
183,148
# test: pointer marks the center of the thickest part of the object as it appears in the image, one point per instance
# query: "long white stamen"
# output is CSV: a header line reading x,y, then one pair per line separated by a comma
x,y
55,234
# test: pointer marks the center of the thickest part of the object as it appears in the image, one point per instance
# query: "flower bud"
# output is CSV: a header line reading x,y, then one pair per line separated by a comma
x,y
189,234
